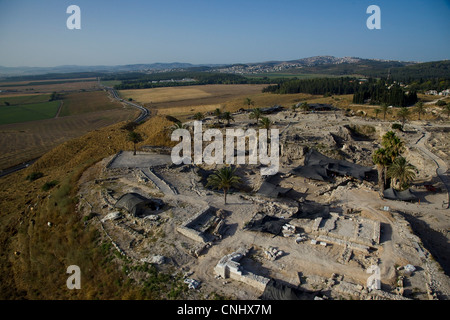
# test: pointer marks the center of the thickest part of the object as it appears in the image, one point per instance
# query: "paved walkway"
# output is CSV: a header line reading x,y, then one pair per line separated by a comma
x,y
141,160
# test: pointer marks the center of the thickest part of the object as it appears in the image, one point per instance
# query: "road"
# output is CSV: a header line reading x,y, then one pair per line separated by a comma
x,y
144,115
442,167
16,168
144,112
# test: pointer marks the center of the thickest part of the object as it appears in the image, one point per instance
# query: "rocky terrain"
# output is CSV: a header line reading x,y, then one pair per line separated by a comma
x,y
333,232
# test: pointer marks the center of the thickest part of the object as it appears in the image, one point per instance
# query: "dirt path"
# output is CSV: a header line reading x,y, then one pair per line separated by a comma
x,y
59,109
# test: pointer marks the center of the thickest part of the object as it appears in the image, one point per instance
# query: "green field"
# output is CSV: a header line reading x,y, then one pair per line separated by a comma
x,y
43,83
28,112
19,100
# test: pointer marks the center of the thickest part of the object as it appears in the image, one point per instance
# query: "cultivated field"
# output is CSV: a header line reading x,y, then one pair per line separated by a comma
x,y
183,102
84,102
47,86
28,112
81,112
23,99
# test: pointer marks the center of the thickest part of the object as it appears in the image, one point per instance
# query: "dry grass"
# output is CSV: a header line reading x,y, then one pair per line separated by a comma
x,y
24,141
85,102
156,95
38,270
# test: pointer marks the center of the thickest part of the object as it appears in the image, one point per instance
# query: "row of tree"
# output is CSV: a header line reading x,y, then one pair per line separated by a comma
x,y
319,86
380,92
142,81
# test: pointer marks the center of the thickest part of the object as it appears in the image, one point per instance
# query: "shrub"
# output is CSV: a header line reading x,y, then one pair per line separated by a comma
x,y
440,103
397,126
34,176
48,185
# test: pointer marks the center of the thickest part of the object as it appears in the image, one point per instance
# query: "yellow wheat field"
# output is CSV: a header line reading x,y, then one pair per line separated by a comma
x,y
156,95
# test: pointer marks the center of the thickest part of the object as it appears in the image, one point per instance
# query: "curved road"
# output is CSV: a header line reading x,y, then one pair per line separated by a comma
x,y
442,167
144,112
144,115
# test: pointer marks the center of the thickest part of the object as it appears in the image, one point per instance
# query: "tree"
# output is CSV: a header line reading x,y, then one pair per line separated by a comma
x,y
199,116
53,96
256,114
304,106
402,171
403,114
135,137
393,145
419,108
265,123
440,103
384,110
218,114
249,102
228,117
381,159
223,179
377,112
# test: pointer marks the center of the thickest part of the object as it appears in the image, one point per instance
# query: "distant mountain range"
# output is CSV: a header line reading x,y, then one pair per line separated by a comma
x,y
326,65
26,71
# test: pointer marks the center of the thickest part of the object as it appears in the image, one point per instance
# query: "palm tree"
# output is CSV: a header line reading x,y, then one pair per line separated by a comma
x,y
403,114
175,126
223,179
218,114
393,145
402,171
381,159
135,137
249,102
384,110
228,117
419,108
199,116
377,112
255,114
265,123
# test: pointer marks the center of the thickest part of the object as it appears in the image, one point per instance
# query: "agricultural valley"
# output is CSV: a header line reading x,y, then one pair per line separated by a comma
x,y
83,183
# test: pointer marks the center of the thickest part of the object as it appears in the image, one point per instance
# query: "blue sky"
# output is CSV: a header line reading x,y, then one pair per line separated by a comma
x,y
34,33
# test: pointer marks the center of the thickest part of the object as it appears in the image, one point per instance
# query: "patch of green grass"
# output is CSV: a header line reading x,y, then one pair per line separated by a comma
x,y
19,100
28,112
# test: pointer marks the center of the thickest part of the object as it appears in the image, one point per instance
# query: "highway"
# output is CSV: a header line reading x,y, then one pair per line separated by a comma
x,y
16,168
144,112
144,115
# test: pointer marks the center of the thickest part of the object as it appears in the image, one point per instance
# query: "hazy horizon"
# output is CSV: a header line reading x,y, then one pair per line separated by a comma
x,y
34,34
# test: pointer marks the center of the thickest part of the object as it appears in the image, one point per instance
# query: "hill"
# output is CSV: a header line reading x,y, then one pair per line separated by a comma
x,y
41,233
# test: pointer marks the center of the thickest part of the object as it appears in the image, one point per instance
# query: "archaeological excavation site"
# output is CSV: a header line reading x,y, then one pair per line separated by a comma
x,y
322,227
